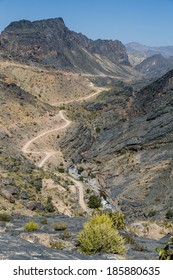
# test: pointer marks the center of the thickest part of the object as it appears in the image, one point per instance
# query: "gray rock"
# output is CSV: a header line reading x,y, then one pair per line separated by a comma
x,y
32,205
7,195
24,195
11,190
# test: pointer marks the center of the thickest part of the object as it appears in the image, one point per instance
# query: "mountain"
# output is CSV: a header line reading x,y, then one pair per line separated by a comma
x,y
78,123
130,152
152,62
155,66
138,52
166,51
50,42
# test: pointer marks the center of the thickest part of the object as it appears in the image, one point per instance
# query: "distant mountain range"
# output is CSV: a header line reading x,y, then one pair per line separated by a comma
x,y
133,47
150,61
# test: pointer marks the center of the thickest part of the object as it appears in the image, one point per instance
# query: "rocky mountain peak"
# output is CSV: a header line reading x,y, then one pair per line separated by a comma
x,y
51,43
24,24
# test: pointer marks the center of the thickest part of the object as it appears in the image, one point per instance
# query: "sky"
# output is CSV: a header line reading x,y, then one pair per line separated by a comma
x,y
149,22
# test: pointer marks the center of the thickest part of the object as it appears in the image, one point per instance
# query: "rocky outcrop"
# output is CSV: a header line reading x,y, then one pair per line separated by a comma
x,y
18,244
50,42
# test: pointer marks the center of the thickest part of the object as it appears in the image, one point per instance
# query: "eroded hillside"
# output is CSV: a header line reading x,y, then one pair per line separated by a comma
x,y
126,139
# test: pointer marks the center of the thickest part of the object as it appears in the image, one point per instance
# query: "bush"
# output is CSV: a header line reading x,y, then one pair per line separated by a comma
x,y
94,202
98,129
81,178
166,253
65,234
31,226
44,222
169,214
60,226
57,245
118,220
49,207
5,217
80,170
61,170
100,235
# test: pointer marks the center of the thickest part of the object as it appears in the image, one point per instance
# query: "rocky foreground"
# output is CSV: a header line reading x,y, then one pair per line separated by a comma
x,y
19,244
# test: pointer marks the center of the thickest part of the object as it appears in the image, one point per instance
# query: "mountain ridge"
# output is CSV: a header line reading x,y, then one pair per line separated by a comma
x,y
75,122
51,43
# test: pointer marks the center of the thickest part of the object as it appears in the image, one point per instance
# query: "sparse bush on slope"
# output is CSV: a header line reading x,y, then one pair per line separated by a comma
x,y
99,235
31,226
118,219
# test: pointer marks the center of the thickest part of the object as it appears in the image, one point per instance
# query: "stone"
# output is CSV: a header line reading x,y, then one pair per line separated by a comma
x,y
32,205
11,190
6,194
24,195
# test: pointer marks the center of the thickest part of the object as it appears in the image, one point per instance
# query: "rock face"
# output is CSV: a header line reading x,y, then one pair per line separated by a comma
x,y
132,152
155,66
19,244
50,42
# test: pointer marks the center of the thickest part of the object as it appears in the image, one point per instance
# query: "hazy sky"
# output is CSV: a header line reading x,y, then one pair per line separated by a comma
x,y
149,22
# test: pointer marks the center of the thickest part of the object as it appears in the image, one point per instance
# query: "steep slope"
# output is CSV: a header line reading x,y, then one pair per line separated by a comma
x,y
126,140
24,186
50,42
155,66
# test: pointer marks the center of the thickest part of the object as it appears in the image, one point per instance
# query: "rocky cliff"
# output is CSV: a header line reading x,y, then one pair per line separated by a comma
x,y
51,43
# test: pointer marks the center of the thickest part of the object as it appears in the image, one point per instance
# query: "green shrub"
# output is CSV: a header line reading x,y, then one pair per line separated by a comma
x,y
100,235
38,184
98,129
5,217
49,207
169,214
88,191
31,226
60,226
81,178
44,222
94,202
80,170
65,234
166,253
57,245
62,107
61,170
118,220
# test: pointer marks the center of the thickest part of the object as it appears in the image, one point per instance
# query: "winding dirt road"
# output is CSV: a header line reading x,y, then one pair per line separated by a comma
x,y
49,154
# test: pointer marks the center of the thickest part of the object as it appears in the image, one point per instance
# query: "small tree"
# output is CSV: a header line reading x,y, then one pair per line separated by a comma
x,y
169,214
94,202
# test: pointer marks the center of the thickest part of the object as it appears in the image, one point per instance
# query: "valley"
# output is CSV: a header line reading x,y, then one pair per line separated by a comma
x,y
77,122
